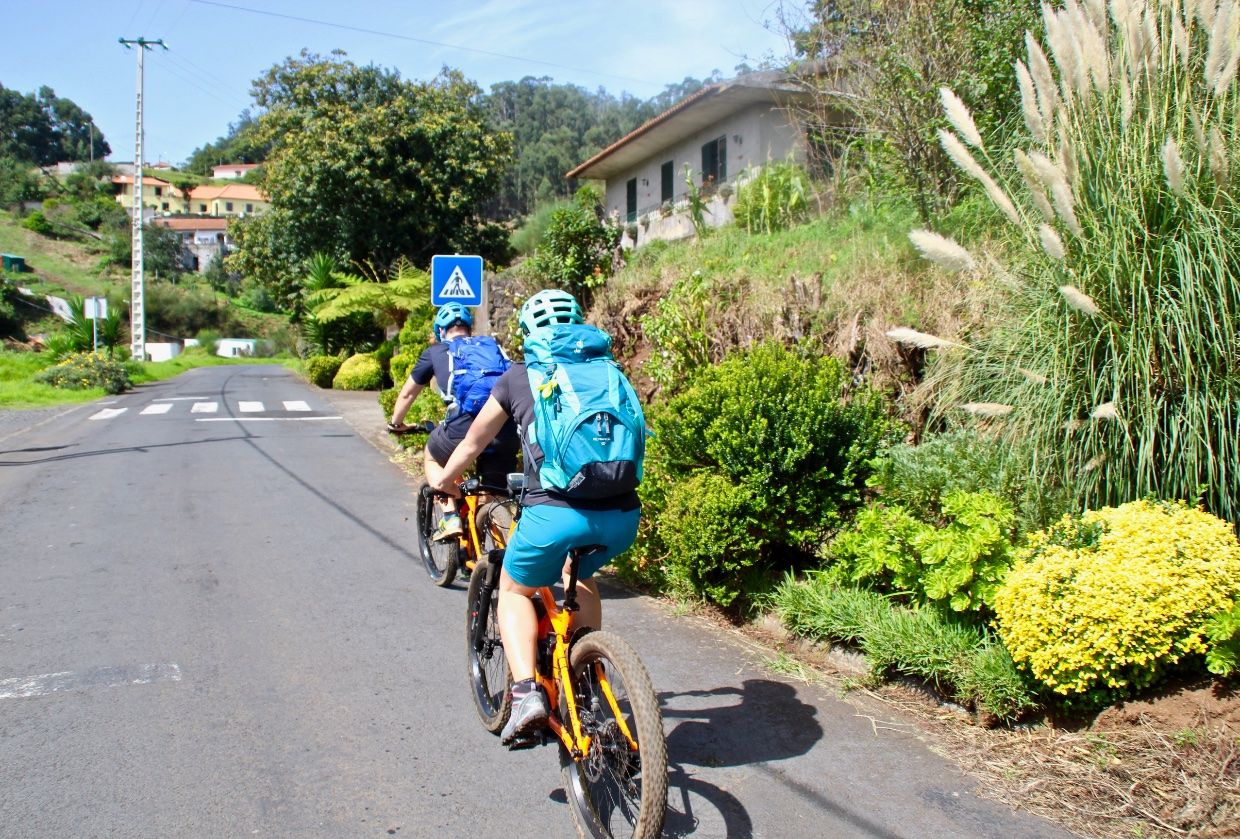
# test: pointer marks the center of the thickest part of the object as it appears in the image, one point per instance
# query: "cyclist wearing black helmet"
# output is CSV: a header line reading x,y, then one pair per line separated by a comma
x,y
550,525
453,320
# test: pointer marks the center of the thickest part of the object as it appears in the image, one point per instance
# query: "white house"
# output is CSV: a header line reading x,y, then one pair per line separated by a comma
x,y
233,171
718,133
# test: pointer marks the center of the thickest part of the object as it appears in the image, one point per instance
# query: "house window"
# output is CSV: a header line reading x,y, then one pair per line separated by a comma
x,y
202,208
668,182
715,161
630,200
164,206
249,208
228,206
159,190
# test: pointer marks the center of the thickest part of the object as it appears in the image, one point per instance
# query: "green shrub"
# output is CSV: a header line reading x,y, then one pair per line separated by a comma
x,y
400,366
359,372
959,659
774,198
1104,604
918,476
82,371
321,370
713,540
38,223
787,448
527,237
958,561
577,247
1223,633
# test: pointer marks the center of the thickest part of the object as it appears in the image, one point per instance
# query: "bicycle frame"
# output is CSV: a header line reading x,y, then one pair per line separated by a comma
x,y
557,622
471,540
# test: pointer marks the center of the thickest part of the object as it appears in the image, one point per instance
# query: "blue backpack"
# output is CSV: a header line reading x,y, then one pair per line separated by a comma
x,y
475,363
587,418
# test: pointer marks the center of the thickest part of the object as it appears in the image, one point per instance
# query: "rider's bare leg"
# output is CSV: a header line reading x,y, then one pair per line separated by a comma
x,y
433,470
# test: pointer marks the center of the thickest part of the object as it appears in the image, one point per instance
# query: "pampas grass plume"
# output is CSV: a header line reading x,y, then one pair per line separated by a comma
x,y
1218,156
942,251
1079,300
922,340
1051,243
987,409
960,118
1029,103
1105,411
1173,166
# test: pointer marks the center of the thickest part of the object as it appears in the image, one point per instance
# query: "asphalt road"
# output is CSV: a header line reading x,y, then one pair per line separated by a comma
x,y
212,625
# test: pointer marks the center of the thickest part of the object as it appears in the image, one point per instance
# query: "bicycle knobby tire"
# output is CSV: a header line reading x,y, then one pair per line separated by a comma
x,y
440,558
490,681
615,792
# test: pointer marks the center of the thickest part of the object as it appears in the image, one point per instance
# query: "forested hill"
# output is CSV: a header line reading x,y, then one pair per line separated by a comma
x,y
554,127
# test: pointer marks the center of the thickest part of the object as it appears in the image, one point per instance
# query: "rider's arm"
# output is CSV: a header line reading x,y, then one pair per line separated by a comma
x,y
481,432
404,399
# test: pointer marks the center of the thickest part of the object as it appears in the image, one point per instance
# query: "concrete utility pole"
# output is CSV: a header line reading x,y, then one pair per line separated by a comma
x,y
137,308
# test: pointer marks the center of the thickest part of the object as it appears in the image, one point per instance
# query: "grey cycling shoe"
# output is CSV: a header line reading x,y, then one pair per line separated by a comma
x,y
529,714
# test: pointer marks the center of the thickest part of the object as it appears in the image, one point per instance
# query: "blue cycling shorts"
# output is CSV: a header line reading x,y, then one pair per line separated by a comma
x,y
545,533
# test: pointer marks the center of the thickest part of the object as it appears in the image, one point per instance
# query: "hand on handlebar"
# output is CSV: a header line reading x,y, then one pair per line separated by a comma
x,y
423,427
446,487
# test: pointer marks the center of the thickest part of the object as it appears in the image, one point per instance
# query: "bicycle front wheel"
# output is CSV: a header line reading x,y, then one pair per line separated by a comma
x,y
489,678
440,558
618,789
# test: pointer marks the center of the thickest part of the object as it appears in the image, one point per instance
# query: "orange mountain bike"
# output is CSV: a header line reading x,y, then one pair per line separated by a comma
x,y
604,712
487,515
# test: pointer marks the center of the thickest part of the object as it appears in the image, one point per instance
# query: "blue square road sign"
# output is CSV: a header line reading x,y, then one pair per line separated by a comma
x,y
456,279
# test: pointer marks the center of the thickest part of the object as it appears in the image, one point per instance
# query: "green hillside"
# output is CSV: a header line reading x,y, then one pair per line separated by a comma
x,y
58,266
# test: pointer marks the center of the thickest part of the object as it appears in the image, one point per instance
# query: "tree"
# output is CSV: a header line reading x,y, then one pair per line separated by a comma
x,y
883,63
241,144
369,167
45,129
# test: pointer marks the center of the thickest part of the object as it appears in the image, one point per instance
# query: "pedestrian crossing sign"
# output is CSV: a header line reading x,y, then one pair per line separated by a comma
x,y
456,279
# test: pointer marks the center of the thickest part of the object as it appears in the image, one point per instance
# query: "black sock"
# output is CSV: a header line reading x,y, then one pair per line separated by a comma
x,y
523,688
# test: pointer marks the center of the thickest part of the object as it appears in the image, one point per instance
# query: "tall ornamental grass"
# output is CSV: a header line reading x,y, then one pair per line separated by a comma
x,y
1114,351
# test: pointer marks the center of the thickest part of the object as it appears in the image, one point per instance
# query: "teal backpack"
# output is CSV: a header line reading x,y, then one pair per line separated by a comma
x,y
587,418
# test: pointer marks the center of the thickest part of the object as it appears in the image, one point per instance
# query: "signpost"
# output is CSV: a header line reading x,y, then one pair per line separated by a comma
x,y
96,308
456,279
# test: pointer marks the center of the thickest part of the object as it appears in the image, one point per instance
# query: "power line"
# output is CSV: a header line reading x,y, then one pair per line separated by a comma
x,y
400,37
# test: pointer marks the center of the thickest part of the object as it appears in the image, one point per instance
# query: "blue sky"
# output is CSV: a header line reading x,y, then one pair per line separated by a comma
x,y
217,47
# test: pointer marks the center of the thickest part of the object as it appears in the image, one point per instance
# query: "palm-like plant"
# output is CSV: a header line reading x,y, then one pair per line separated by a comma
x,y
1113,351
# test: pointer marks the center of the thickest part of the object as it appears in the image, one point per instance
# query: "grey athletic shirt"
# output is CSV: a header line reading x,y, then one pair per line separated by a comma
x,y
513,394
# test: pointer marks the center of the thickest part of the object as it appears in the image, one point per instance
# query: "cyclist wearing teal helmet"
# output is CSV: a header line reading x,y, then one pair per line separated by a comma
x,y
453,320
550,524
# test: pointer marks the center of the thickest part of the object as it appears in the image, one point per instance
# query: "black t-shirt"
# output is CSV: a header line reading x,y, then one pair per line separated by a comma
x,y
513,394
432,363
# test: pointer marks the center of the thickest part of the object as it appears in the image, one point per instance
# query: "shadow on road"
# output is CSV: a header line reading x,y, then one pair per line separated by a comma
x,y
760,722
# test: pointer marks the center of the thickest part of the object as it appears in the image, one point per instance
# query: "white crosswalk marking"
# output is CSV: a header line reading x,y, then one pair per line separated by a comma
x,y
250,407
296,405
107,413
205,408
157,408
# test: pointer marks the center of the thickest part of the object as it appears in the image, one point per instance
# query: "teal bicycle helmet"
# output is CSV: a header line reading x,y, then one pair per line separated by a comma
x,y
547,307
449,315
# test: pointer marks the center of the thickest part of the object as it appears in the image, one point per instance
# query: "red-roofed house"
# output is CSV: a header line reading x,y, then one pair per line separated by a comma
x,y
228,200
202,239
156,193
717,132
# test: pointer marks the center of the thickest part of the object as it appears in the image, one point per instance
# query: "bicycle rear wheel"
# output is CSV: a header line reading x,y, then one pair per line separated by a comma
x,y
494,523
615,791
489,678
440,558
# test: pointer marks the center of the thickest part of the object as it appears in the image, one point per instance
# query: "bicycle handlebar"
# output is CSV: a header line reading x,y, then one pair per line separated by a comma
x,y
423,427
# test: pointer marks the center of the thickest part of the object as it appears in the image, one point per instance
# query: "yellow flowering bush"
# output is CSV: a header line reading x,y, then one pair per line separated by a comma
x,y
1098,604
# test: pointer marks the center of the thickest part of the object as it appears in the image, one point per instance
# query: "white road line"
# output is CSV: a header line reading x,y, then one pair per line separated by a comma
x,y
265,419
97,677
157,408
250,407
204,408
296,405
178,398
107,413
